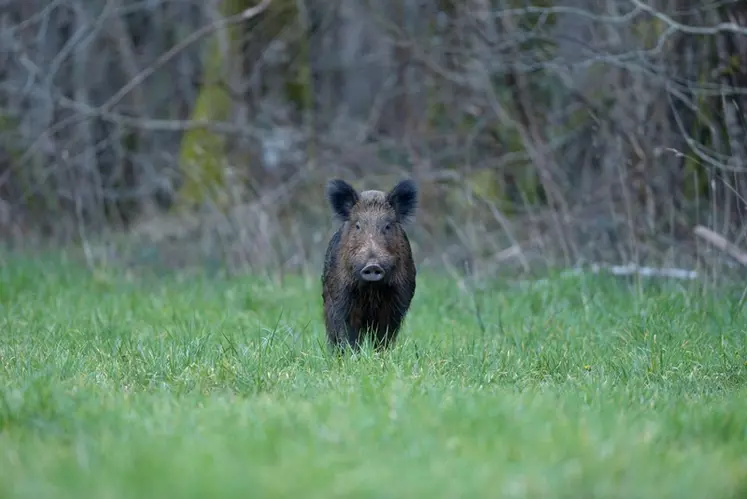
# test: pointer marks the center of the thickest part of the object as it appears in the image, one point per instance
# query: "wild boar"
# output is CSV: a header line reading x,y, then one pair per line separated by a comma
x,y
368,280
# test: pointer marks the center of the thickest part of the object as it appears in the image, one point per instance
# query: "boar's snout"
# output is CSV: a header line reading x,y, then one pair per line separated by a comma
x,y
372,272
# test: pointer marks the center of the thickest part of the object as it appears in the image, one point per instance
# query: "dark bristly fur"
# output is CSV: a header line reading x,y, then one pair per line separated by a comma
x,y
371,232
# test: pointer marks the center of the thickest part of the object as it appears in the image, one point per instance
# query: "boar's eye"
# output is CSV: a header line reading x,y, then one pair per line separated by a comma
x,y
387,227
357,226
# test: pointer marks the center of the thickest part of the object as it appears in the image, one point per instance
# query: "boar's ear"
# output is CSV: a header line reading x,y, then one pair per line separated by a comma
x,y
342,197
403,198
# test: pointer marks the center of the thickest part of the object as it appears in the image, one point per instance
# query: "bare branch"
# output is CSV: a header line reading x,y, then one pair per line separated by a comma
x,y
691,30
722,243
160,61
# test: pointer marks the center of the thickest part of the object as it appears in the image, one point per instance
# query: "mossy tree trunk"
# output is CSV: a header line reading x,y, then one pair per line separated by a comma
x,y
202,153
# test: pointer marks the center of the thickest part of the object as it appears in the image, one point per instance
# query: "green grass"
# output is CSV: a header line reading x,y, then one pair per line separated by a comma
x,y
208,387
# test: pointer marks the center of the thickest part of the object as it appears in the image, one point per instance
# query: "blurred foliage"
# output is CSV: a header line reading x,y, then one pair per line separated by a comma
x,y
587,94
9,128
648,31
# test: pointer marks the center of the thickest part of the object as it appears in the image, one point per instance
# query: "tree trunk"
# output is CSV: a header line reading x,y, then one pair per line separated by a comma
x,y
202,153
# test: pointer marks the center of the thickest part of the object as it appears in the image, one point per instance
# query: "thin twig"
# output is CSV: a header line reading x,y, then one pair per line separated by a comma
x,y
722,243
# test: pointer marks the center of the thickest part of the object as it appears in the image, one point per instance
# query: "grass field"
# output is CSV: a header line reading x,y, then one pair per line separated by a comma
x,y
205,387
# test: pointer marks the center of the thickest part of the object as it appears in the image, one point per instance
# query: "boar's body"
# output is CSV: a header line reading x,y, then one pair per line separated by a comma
x,y
368,280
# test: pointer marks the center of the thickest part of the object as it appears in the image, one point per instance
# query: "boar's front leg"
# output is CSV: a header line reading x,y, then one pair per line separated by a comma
x,y
340,332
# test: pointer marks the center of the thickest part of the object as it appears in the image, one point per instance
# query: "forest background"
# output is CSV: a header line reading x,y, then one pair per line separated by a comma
x,y
542,134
